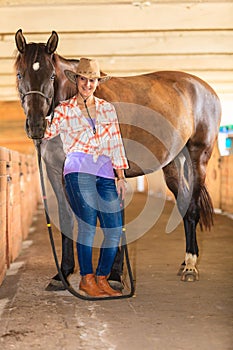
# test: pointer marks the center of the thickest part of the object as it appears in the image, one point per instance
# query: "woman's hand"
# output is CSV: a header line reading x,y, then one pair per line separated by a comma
x,y
121,187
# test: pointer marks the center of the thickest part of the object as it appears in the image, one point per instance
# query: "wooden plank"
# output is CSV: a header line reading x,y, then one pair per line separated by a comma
x,y
148,43
219,77
7,66
9,94
143,63
116,17
152,63
8,91
224,90
91,2
221,88
7,80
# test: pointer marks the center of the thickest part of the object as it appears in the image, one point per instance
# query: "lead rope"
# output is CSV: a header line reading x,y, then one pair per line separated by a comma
x,y
64,281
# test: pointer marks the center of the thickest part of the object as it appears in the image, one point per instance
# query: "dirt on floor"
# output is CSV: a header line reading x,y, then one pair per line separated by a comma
x,y
164,313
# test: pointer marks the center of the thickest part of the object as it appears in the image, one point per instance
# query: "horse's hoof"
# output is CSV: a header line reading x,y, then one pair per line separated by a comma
x,y
188,278
180,271
55,285
116,285
189,275
115,280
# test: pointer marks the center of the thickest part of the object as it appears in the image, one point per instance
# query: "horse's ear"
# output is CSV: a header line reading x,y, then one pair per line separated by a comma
x,y
52,43
20,41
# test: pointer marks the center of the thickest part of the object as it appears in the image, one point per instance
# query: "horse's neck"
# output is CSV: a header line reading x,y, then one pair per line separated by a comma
x,y
64,89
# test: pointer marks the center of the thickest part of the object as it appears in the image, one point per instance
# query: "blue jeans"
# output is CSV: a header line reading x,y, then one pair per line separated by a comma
x,y
93,197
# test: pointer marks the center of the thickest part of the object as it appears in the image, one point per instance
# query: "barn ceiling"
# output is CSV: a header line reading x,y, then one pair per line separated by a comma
x,y
128,37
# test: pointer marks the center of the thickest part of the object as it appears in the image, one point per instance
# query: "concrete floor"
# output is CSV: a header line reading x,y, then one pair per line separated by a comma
x,y
164,314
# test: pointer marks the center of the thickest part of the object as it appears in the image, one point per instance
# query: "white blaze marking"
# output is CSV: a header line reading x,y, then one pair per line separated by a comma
x,y
36,66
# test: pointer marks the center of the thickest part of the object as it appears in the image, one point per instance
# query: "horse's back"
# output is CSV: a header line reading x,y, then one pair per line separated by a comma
x,y
174,94
150,87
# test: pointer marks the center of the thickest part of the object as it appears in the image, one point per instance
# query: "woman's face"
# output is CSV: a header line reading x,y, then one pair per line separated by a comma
x,y
86,87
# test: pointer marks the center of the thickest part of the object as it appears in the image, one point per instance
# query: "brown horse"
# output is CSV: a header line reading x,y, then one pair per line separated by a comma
x,y
168,120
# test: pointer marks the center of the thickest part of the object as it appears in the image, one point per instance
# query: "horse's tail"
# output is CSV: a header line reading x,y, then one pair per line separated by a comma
x,y
206,209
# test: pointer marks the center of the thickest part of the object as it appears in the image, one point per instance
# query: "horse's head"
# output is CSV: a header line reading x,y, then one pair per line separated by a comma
x,y
35,73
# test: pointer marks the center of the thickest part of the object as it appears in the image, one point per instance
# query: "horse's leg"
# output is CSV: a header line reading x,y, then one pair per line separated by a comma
x,y
200,209
54,159
66,224
191,219
114,278
185,177
179,178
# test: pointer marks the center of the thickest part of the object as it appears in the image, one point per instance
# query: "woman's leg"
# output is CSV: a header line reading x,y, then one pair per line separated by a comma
x,y
109,213
83,196
81,191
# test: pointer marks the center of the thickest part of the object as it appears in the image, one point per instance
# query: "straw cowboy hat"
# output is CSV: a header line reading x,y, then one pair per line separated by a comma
x,y
88,68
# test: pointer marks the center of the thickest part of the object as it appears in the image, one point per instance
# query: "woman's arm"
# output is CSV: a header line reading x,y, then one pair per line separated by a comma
x,y
53,126
121,183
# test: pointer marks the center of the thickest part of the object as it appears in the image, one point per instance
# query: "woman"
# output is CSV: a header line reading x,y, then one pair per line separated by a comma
x,y
89,129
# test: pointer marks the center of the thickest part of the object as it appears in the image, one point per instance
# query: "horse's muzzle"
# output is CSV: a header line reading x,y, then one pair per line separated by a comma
x,y
36,130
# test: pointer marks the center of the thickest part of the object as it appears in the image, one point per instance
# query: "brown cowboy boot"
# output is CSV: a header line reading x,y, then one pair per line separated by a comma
x,y
103,284
89,286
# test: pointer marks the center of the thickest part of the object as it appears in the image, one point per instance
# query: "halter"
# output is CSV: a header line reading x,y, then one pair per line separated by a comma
x,y
36,92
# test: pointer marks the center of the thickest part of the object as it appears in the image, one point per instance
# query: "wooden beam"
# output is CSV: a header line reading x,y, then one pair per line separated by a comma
x,y
216,76
222,88
148,43
166,62
8,94
117,44
116,17
221,81
224,92
127,64
99,2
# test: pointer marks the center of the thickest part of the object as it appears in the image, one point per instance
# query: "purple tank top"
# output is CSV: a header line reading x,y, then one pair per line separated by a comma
x,y
84,163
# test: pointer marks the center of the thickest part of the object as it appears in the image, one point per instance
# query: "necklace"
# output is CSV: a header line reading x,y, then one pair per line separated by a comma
x,y
92,123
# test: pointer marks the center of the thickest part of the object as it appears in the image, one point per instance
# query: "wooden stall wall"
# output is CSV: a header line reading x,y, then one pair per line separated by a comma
x,y
227,183
4,160
19,197
213,177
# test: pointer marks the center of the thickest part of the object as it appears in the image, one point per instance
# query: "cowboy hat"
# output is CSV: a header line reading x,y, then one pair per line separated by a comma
x,y
88,68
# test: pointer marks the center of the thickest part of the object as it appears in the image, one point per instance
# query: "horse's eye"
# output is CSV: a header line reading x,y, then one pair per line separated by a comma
x,y
19,76
53,76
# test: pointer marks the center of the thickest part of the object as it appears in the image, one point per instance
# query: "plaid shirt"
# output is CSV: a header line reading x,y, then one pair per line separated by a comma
x,y
77,134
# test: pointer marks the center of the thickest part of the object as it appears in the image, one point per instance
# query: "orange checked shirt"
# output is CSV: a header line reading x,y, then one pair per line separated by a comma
x,y
77,134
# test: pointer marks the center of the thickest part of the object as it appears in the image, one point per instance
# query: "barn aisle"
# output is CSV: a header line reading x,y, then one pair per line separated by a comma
x,y
164,314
